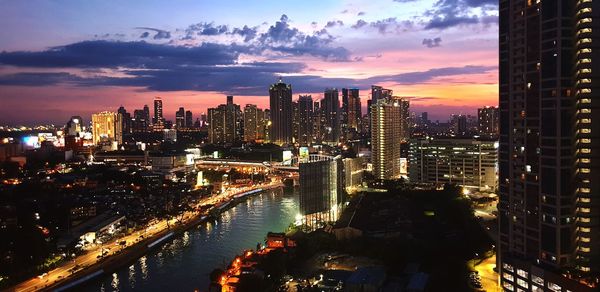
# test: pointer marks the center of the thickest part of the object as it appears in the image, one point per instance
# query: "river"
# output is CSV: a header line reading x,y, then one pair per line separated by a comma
x,y
184,263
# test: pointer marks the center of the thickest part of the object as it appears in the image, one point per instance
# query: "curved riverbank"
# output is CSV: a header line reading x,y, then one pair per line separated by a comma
x,y
185,260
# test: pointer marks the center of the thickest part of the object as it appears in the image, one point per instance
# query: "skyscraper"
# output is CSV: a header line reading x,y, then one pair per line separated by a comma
x,y
321,184
280,99
386,136
295,121
254,123
158,120
140,122
180,118
125,120
549,201
487,121
330,109
189,120
305,120
351,112
223,122
405,116
107,127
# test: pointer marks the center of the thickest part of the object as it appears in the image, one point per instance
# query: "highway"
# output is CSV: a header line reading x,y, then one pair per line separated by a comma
x,y
94,255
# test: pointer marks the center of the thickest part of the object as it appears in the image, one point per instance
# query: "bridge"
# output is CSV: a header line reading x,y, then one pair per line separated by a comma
x,y
286,165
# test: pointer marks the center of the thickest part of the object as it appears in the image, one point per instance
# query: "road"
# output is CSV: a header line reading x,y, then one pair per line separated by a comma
x,y
489,278
94,255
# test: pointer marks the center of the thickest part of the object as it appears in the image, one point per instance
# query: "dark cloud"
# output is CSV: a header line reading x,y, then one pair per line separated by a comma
x,y
144,35
432,43
359,23
361,13
159,33
111,54
283,38
451,13
333,23
209,67
248,33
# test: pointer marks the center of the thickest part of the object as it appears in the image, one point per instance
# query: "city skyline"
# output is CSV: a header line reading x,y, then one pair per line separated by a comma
x,y
441,52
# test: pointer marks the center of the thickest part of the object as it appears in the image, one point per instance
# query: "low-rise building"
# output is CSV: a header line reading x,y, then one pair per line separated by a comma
x,y
467,162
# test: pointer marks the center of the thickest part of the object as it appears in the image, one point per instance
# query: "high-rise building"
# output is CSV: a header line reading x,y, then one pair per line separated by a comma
x,y
295,121
424,119
317,132
386,137
126,120
139,122
254,123
73,130
321,184
158,121
487,121
180,118
405,114
459,125
377,93
466,162
223,122
351,112
107,127
549,236
74,126
330,117
147,116
305,120
280,99
189,120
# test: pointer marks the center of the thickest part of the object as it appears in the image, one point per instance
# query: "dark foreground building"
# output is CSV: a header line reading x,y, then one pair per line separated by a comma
x,y
549,182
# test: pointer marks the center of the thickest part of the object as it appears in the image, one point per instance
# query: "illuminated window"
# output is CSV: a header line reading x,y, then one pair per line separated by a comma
x,y
553,287
586,131
585,220
522,273
585,200
584,170
522,283
586,141
586,121
584,190
586,110
586,100
586,150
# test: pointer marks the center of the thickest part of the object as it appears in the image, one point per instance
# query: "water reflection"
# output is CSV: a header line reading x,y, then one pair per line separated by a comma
x,y
184,263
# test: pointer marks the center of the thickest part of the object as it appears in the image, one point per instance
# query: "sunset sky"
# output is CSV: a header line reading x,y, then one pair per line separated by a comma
x,y
63,58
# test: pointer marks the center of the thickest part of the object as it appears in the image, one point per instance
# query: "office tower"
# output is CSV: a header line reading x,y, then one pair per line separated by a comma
x,y
268,125
467,162
125,119
405,116
189,120
147,116
378,92
343,115
180,118
351,112
330,109
216,125
139,122
386,137
487,121
305,120
321,189
459,125
295,121
223,122
159,120
587,139
424,119
280,99
74,126
107,127
253,123
73,139
317,133
549,163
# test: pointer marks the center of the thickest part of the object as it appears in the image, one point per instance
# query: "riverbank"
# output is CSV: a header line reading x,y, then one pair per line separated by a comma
x,y
96,268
